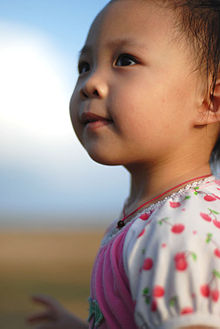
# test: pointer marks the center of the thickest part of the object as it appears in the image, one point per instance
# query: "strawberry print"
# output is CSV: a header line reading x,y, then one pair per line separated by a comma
x,y
176,228
151,298
215,295
209,239
175,204
209,197
148,264
180,260
211,217
210,289
146,215
205,290
217,252
158,291
206,217
187,310
187,239
216,223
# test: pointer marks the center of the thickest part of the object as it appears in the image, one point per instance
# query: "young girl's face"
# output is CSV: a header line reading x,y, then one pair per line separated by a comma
x,y
135,100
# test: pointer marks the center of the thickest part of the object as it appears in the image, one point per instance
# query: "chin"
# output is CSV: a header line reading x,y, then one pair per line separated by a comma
x,y
105,159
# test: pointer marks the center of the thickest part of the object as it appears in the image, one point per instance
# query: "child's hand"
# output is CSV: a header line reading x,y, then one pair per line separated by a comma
x,y
55,316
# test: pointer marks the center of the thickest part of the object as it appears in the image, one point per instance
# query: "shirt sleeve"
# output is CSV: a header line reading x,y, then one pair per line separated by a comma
x,y
172,260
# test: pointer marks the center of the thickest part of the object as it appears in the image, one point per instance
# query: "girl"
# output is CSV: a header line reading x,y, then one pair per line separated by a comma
x,y
148,98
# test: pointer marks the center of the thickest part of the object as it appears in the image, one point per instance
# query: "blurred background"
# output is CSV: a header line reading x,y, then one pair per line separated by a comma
x,y
46,178
54,200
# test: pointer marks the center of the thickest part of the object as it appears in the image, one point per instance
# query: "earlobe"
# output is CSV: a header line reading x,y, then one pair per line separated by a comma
x,y
209,111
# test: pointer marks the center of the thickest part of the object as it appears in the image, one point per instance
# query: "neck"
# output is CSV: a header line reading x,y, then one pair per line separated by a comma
x,y
147,182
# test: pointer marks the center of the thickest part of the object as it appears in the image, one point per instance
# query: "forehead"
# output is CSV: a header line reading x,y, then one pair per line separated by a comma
x,y
136,21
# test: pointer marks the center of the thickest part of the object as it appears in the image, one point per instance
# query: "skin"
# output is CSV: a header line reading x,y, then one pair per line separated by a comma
x,y
139,103
54,315
141,99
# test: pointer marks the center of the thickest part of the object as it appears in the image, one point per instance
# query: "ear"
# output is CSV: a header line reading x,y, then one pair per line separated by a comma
x,y
209,112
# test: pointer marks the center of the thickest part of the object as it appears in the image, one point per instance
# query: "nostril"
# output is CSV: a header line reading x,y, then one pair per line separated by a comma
x,y
86,94
95,92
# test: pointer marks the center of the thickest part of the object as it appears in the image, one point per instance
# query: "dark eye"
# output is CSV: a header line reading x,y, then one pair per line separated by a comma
x,y
83,67
126,60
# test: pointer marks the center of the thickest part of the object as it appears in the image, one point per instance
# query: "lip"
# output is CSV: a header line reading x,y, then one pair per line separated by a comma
x,y
97,124
92,120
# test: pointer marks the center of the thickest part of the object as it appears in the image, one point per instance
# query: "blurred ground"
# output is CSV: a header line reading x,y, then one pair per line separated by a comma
x,y
54,263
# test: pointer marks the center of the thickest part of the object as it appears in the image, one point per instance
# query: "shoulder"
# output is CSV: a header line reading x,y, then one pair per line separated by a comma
x,y
172,259
188,211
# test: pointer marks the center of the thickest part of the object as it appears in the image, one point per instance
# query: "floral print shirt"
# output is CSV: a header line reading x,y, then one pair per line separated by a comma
x,y
171,256
162,269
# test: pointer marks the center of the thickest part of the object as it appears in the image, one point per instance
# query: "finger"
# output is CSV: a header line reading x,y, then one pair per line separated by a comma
x,y
34,318
45,300
45,326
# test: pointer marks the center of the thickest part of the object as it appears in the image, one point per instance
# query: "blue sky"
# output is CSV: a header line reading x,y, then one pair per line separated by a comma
x,y
44,172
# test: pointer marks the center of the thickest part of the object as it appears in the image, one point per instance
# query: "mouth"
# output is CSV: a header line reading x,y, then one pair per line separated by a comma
x,y
94,120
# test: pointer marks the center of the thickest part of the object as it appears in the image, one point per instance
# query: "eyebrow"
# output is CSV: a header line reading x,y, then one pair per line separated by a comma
x,y
114,44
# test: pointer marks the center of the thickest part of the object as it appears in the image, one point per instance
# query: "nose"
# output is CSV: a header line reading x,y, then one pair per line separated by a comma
x,y
94,86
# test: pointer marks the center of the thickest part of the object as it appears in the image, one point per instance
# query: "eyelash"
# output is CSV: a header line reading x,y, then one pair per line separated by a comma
x,y
86,65
127,56
81,65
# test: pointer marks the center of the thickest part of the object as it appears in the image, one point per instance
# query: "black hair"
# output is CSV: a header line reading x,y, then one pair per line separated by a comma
x,y
200,21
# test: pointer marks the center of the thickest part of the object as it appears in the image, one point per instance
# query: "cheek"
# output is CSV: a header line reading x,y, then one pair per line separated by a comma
x,y
74,116
180,102
134,104
126,102
72,107
146,113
